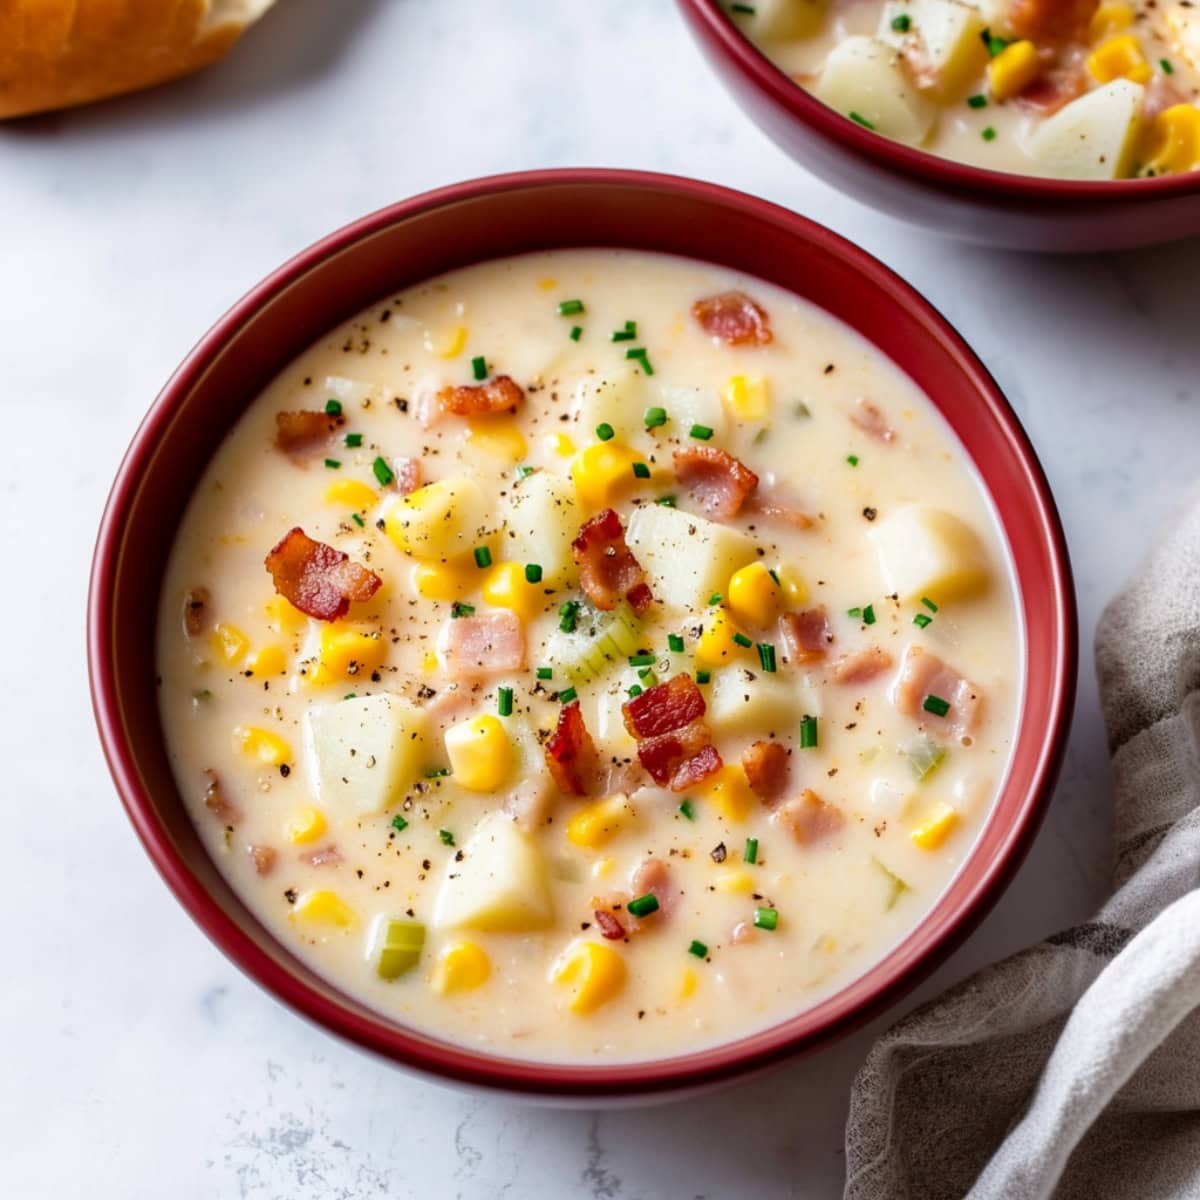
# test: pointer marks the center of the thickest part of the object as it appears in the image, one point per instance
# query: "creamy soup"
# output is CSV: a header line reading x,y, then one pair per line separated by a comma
x,y
589,655
1070,88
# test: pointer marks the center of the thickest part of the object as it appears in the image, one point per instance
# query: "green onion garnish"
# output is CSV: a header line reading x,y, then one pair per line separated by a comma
x,y
808,733
854,612
399,824
715,598
641,660
569,615
801,409
533,573
479,367
436,772
929,604
641,470
640,355
1168,68
524,472
742,640
859,119
766,657
545,672
332,464
701,432
748,9
902,23
446,836
567,696
686,810
936,705
627,334
570,308
483,556
576,333
347,696
674,643
459,609
922,620
634,690
750,853
869,615
643,906
852,459
703,676
605,432
993,43
504,701
978,101
357,520
699,949
647,676
774,574
766,918
383,472
353,441
666,501
333,408
654,417
989,134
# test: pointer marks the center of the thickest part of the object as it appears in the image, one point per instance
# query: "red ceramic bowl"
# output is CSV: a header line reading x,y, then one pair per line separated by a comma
x,y
468,223
992,207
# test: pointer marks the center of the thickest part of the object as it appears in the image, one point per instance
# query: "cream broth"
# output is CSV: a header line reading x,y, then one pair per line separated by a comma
x,y
851,608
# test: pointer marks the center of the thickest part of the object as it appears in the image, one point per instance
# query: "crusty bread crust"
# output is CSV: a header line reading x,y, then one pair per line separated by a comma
x,y
57,53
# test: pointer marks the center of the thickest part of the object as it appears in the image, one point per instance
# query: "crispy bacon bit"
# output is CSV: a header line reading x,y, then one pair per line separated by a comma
x,y
610,927
664,708
653,878
217,802
408,475
608,570
923,674
860,666
571,753
1050,20
195,616
499,395
682,759
304,433
806,634
263,858
325,856
492,644
808,818
316,578
733,318
767,770
719,481
869,417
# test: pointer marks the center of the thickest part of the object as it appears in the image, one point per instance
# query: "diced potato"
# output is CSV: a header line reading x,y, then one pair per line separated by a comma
x,y
863,76
368,750
687,557
1182,24
618,398
928,552
541,518
949,36
781,20
743,701
501,884
688,406
1093,137
610,732
441,520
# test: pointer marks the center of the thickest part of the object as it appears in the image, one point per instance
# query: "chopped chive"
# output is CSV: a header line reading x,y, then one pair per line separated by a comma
x,y
852,459
800,409
399,824
383,472
569,615
869,615
699,949
504,701
742,640
634,690
703,676
483,556
700,432
627,334
977,101
353,441
436,772
643,906
1168,68
747,9
524,472
605,432
854,612
686,809
570,308
332,464
774,574
567,696
922,620
641,470
576,333
993,43
533,573
808,733
929,604
641,660
859,119
989,134
902,23
654,417
347,696
357,520
640,355
479,367
459,609
666,501
715,598
766,657
674,643
545,672
750,853
446,836
647,676
936,705
333,408
766,918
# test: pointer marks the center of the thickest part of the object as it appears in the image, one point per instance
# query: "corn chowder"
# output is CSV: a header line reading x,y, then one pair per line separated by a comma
x,y
590,654
1076,89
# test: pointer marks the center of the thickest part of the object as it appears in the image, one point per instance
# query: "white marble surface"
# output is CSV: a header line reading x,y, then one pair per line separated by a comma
x,y
137,1062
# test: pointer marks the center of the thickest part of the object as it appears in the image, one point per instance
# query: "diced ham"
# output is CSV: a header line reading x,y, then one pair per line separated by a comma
x,y
316,578
217,802
499,395
806,635
305,433
923,675
807,818
733,318
263,858
767,770
664,708
623,775
1050,20
860,666
571,753
1053,89
608,570
491,644
869,417
721,483
323,856
784,515
681,759
653,878
195,611
608,924
408,473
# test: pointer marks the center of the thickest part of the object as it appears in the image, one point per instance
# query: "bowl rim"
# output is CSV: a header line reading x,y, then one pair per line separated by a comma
x,y
716,26
450,1062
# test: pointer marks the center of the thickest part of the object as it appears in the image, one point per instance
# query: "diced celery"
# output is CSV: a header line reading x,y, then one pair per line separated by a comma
x,y
396,946
896,886
583,658
924,756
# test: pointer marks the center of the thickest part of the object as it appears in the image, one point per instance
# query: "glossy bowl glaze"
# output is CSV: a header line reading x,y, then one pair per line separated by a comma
x,y
472,222
994,208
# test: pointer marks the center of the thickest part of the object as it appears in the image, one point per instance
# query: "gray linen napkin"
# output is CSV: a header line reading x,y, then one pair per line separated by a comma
x,y
1072,1069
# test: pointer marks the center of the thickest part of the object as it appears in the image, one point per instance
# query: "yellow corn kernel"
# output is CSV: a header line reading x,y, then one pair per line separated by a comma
x,y
323,907
270,660
346,652
261,744
792,584
599,822
446,343
936,827
687,983
1120,57
595,972
505,586
753,595
715,646
602,868
748,397
229,643
461,967
735,883
1013,69
501,439
429,663
560,444
548,283
1109,18
306,826
480,753
729,792
602,472
445,581
284,617
352,494
1173,141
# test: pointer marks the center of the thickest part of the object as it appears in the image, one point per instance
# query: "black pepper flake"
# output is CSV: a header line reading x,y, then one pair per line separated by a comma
x,y
870,513
718,852
290,895
285,770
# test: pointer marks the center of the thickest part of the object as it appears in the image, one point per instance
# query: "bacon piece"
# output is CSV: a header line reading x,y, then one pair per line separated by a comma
x,y
869,417
316,578
1050,20
795,517
733,318
499,395
806,634
767,770
217,802
681,759
860,666
304,433
492,644
808,818
325,856
664,707
1053,90
923,674
408,473
610,927
195,615
608,569
571,753
719,481
264,859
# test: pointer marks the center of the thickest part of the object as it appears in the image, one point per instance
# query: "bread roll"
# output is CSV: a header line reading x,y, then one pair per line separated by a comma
x,y
56,53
